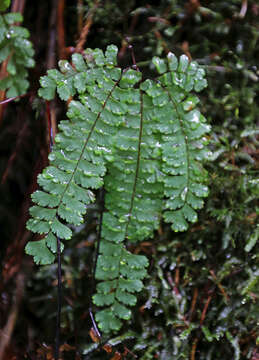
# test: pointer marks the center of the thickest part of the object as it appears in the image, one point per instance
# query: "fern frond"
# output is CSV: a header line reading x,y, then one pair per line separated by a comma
x,y
17,50
78,160
144,141
134,203
183,140
157,156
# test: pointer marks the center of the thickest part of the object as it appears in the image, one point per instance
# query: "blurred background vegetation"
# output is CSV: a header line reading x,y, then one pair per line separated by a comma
x,y
202,294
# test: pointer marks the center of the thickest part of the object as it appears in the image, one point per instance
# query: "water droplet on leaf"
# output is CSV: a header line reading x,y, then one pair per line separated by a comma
x,y
184,193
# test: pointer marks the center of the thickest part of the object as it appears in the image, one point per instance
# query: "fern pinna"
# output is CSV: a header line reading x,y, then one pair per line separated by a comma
x,y
144,142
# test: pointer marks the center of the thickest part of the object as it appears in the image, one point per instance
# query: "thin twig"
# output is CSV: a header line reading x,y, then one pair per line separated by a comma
x,y
94,324
3,74
222,290
193,351
80,12
50,133
61,30
194,301
14,98
86,28
51,60
130,47
204,311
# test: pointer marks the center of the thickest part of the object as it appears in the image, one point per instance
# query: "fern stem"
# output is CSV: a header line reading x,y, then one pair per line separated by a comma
x,y
51,140
57,343
130,47
59,269
59,301
94,324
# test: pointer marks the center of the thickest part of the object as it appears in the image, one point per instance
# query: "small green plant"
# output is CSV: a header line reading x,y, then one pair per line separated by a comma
x,y
17,51
144,142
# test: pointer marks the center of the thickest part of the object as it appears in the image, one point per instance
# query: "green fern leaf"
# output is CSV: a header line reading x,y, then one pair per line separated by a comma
x,y
78,160
183,143
158,153
145,142
40,252
17,49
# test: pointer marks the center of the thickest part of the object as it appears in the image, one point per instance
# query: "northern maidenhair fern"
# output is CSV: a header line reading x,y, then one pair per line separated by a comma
x,y
17,51
144,142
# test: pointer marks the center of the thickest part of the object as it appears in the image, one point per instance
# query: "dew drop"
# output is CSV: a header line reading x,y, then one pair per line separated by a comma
x,y
52,157
66,66
184,193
